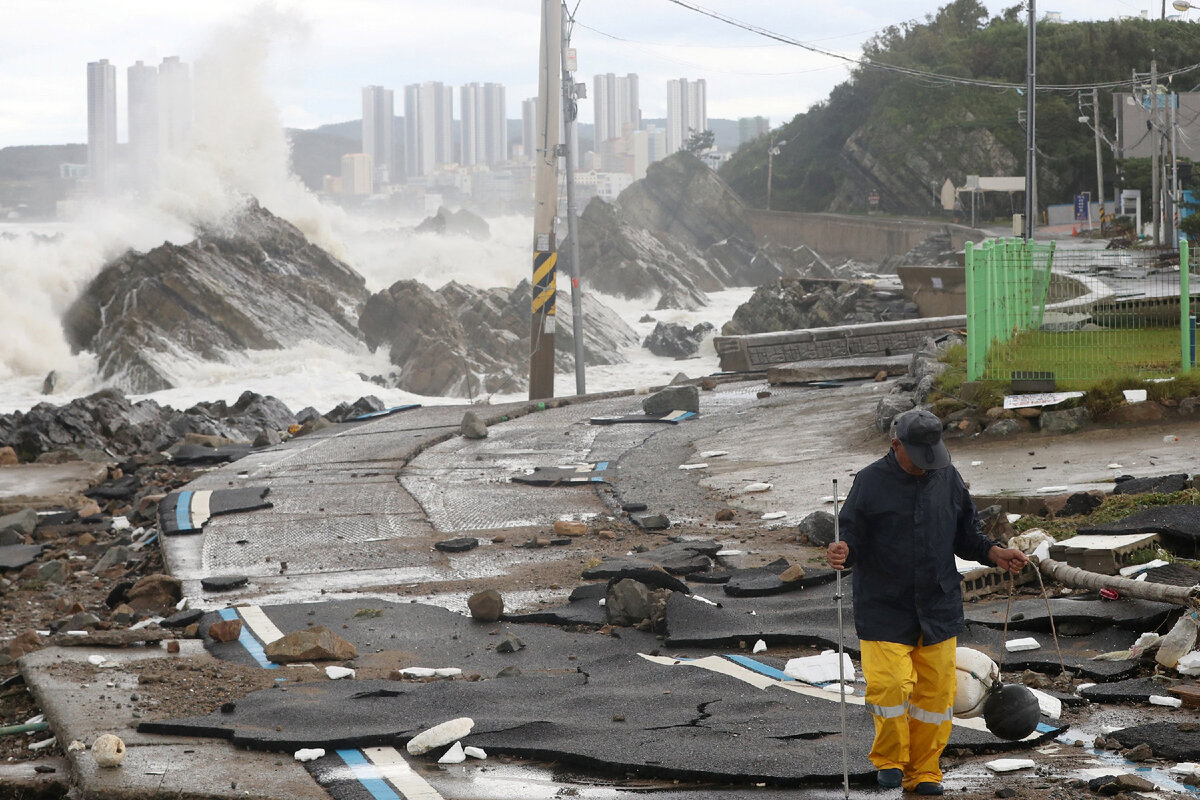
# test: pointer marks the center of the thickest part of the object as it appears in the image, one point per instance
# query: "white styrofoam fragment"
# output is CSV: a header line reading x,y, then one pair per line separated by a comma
x,y
1050,705
701,465
1009,764
337,673
308,754
819,669
475,752
1017,645
757,486
1161,700
759,647
774,515
454,755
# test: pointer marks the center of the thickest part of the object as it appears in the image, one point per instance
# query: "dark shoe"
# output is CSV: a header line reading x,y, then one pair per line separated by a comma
x,y
890,778
929,787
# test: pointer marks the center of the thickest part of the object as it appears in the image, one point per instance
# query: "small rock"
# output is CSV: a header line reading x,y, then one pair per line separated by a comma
x,y
486,606
227,630
1141,752
457,545
565,527
317,643
792,574
652,522
108,750
173,646
221,583
8,457
438,735
708,384
725,515
510,644
816,529
472,427
763,394
607,534
1006,791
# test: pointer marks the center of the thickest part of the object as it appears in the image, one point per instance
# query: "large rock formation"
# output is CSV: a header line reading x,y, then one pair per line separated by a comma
x,y
463,341
679,232
255,283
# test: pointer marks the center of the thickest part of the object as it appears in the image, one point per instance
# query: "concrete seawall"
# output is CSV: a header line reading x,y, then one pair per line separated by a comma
x,y
841,236
761,350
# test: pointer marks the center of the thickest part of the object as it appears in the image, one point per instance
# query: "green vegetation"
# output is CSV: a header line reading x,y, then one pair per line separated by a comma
x,y
368,613
919,131
1096,354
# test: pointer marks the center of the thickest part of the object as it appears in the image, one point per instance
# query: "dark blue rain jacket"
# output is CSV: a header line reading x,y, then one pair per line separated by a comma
x,y
903,532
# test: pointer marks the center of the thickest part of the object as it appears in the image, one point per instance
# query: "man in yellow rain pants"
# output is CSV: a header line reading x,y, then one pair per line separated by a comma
x,y
905,518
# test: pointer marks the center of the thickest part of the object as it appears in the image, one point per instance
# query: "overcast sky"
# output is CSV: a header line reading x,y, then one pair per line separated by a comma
x,y
322,52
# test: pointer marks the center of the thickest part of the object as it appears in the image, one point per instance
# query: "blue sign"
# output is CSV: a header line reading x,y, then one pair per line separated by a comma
x,y
1082,201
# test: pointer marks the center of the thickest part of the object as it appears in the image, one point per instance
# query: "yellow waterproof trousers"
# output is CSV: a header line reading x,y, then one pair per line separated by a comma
x,y
910,694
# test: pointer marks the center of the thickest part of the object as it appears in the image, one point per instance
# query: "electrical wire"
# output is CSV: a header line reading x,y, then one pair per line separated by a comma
x,y
933,78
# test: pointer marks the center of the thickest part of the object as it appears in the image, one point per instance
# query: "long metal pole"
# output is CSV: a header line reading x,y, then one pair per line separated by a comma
x,y
1174,200
770,159
545,207
570,111
837,537
1156,145
1099,160
1030,125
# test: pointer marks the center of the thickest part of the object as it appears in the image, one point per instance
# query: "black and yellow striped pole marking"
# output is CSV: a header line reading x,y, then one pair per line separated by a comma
x,y
541,331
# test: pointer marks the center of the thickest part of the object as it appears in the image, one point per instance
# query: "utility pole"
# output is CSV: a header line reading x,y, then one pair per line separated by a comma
x,y
572,92
545,205
1030,109
1156,141
1173,201
1099,160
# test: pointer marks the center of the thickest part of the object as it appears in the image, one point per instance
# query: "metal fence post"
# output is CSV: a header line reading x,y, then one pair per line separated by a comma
x,y
973,332
1187,331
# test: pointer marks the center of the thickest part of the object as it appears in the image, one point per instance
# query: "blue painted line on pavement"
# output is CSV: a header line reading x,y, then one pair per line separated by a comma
x,y
365,772
183,511
760,668
247,640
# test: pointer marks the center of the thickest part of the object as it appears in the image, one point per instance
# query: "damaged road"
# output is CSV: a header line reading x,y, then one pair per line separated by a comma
x,y
339,529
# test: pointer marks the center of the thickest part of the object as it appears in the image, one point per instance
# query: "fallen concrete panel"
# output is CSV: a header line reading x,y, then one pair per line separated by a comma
x,y
556,476
1170,740
625,715
154,766
806,372
672,418
1073,616
1179,525
15,556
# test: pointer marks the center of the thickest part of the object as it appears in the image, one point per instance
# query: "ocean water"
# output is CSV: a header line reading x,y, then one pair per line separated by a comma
x,y
43,267
239,150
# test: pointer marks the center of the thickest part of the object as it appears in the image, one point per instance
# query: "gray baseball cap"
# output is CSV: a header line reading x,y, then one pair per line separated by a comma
x,y
921,434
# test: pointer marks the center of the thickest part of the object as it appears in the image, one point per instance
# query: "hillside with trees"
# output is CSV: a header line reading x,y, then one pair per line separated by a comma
x,y
901,136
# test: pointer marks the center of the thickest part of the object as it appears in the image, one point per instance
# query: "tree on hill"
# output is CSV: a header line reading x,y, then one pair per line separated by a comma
x,y
901,135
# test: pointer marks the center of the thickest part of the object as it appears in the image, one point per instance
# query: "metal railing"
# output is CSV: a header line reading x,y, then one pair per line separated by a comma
x,y
1076,315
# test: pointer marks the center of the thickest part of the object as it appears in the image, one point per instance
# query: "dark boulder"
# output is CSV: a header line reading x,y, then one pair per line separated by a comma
x,y
672,340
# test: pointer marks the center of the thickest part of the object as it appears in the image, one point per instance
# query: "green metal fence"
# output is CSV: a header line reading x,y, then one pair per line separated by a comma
x,y
1076,315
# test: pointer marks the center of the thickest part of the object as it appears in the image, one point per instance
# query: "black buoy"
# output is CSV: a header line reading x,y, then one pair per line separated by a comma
x,y
1011,711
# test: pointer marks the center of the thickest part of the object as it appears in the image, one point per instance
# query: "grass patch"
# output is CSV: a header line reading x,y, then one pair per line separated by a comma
x,y
1088,355
368,613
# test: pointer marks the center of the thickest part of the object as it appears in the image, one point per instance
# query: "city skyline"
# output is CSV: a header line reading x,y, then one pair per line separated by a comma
x,y
320,55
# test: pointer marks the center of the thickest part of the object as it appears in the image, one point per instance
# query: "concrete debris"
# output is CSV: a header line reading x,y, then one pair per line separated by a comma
x,y
440,735
337,673
816,529
673,398
227,630
108,750
1017,645
510,644
460,545
475,752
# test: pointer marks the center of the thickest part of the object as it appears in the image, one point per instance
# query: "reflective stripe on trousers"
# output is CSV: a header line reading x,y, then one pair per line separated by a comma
x,y
910,694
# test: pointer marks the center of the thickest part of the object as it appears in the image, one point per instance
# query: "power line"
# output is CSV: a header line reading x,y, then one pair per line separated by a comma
x,y
933,78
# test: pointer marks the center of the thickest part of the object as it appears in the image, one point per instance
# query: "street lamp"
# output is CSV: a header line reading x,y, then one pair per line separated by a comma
x,y
1182,5
772,151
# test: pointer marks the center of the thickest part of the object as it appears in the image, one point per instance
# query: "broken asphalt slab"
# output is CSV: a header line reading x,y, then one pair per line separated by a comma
x,y
624,714
1179,525
389,636
1071,616
1170,740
